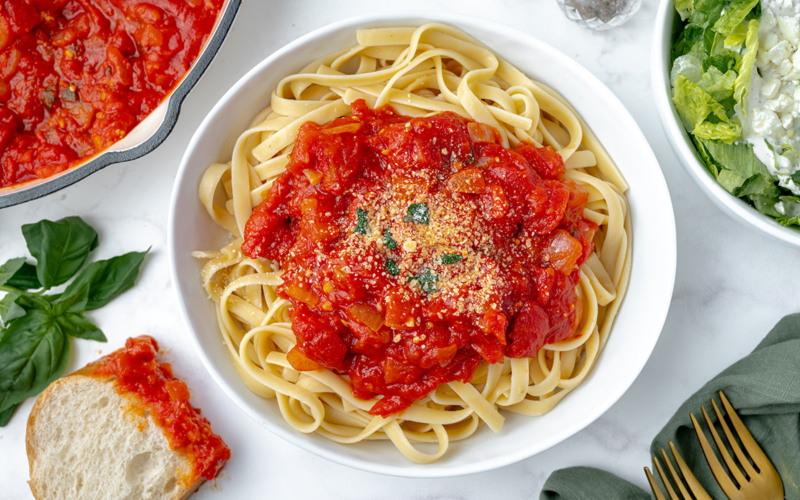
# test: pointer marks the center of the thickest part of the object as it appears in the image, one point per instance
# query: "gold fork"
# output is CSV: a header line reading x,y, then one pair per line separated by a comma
x,y
691,480
759,479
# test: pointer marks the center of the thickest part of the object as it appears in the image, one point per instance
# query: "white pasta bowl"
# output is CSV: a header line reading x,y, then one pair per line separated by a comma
x,y
679,140
640,319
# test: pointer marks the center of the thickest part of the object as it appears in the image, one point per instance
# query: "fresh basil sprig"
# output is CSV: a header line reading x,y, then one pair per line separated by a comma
x,y
34,327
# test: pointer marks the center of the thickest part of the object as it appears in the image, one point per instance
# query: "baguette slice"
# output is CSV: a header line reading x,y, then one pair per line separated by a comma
x,y
88,440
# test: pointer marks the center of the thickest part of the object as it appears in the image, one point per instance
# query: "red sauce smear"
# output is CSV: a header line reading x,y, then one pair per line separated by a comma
x,y
412,249
138,372
77,75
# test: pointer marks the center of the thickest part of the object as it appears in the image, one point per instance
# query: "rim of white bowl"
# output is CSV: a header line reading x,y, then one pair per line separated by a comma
x,y
428,471
683,148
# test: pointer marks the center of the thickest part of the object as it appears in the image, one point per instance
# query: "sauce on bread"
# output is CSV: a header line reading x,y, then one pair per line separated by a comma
x,y
137,372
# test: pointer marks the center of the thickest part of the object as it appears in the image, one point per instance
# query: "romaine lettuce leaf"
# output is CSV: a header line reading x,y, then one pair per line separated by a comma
x,y
738,158
788,221
730,181
793,221
719,85
766,205
688,66
724,60
695,104
756,185
791,206
722,131
684,8
738,36
690,37
733,16
706,12
742,84
709,162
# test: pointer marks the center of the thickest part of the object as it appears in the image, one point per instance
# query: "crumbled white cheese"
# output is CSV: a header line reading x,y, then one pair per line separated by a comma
x,y
773,105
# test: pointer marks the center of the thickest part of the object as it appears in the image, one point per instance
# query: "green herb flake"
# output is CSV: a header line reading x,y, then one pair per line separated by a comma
x,y
392,267
417,212
451,258
390,243
427,280
362,225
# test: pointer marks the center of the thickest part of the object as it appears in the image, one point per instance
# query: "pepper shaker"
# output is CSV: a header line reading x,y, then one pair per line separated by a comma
x,y
599,14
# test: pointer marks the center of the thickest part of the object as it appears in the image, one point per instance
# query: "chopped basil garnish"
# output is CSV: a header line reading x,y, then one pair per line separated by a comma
x,y
427,280
392,267
451,258
417,212
390,243
361,225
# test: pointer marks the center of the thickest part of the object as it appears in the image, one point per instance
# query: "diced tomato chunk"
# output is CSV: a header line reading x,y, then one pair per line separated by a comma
x,y
480,132
528,331
177,390
495,323
300,361
563,251
544,161
469,180
318,336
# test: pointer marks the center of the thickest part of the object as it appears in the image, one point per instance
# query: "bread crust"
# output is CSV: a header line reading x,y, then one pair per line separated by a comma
x,y
43,404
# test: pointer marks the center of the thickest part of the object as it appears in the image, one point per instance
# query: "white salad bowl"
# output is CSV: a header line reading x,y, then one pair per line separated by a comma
x,y
681,143
641,316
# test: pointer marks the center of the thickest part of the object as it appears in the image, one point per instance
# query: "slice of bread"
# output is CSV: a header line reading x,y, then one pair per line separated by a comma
x,y
86,441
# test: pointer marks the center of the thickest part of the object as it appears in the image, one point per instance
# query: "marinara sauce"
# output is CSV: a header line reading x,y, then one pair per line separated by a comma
x,y
414,249
137,371
77,75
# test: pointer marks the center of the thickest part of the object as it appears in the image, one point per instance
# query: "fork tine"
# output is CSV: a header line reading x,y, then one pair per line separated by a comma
x,y
675,475
688,475
664,480
734,445
737,473
653,485
756,453
713,462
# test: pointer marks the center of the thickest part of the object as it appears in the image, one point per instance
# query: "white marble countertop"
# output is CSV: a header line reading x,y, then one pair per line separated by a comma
x,y
732,284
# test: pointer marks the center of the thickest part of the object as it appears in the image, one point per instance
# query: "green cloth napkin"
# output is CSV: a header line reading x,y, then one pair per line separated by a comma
x,y
764,388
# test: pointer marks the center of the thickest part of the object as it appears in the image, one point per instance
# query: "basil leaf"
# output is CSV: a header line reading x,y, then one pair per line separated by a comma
x,y
9,309
60,248
8,269
33,353
427,280
72,301
392,267
108,279
6,415
417,212
25,278
390,242
362,226
78,325
451,258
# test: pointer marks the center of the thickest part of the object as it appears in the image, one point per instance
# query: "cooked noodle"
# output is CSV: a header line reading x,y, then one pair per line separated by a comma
x,y
418,71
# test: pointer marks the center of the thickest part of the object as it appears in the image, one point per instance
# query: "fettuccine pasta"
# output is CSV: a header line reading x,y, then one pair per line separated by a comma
x,y
419,71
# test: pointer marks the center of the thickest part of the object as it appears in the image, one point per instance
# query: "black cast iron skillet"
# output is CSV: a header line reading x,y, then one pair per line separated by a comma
x,y
16,195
